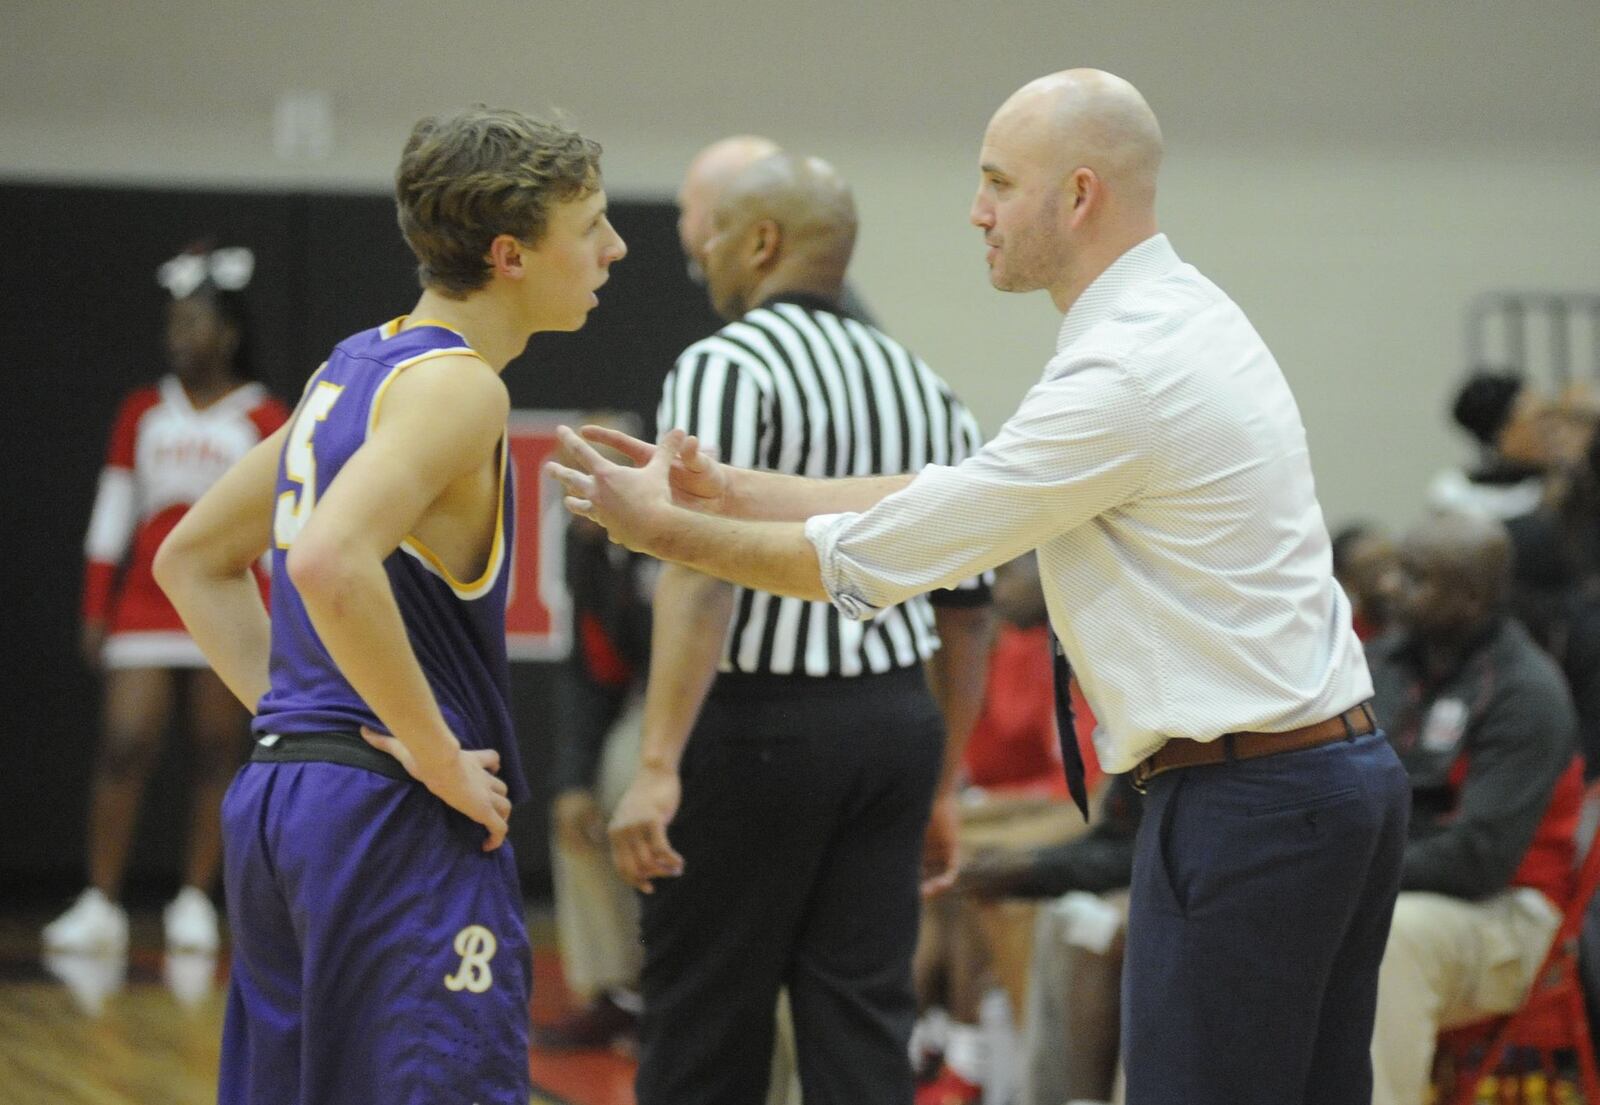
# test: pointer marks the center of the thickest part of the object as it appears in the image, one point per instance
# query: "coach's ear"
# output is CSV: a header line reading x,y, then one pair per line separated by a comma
x,y
507,256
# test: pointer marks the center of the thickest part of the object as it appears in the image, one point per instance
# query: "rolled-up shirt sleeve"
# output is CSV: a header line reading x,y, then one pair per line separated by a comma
x,y
1081,443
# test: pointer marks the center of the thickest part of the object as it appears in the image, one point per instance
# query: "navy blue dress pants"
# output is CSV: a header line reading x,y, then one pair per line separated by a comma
x,y
1261,899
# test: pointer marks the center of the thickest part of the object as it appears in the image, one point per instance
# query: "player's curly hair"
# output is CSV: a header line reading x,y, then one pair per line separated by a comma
x,y
466,179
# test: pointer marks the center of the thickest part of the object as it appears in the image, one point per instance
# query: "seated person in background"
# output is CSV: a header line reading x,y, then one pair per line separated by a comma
x,y
1071,1028
1484,724
1492,407
1014,750
1014,795
598,712
1364,559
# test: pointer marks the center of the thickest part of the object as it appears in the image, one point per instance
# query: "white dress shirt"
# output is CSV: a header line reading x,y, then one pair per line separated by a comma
x,y
1160,468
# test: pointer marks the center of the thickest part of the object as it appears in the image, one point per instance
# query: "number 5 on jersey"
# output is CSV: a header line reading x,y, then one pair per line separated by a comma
x,y
300,464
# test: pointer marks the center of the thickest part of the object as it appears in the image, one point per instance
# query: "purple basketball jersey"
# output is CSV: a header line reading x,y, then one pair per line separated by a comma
x,y
379,954
457,628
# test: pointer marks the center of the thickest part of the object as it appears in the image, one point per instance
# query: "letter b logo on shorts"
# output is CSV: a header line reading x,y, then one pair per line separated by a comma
x,y
476,946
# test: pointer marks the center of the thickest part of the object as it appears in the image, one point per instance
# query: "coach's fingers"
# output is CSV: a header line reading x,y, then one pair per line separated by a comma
x,y
488,757
629,446
572,481
580,450
696,455
671,445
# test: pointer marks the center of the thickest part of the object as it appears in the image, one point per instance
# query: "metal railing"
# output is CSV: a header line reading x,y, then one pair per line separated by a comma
x,y
1550,335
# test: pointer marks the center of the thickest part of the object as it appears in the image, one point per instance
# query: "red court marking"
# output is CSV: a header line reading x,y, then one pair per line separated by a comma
x,y
579,1077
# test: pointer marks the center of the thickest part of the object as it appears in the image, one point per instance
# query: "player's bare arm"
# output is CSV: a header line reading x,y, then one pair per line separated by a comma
x,y
204,567
431,456
702,483
691,616
635,505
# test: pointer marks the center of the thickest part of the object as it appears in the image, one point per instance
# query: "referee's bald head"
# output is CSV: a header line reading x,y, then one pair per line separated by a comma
x,y
805,196
708,174
787,223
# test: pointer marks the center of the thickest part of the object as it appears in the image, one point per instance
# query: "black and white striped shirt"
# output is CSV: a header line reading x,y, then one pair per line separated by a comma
x,y
796,387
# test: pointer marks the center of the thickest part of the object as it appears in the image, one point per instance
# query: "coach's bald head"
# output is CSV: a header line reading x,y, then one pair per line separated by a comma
x,y
785,224
1067,181
708,174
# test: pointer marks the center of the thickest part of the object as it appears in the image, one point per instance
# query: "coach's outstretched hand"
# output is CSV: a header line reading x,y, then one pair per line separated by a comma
x,y
699,480
633,504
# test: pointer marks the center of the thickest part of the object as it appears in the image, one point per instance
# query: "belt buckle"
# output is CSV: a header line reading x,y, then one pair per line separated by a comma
x,y
1140,776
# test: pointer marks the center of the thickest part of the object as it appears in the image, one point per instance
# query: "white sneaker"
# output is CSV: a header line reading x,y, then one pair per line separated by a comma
x,y
90,979
190,976
190,921
94,924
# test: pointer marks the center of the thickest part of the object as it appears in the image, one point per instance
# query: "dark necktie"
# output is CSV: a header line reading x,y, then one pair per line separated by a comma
x,y
1071,757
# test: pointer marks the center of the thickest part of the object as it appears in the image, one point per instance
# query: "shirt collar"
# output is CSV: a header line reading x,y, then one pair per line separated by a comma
x,y
1149,259
809,300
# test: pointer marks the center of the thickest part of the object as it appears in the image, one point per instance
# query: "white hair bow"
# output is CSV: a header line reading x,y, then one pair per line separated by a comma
x,y
229,269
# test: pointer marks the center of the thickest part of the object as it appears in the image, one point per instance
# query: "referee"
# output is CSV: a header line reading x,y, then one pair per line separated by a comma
x,y
795,753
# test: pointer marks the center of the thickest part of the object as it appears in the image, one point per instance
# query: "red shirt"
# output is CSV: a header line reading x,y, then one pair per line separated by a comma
x,y
1014,745
163,455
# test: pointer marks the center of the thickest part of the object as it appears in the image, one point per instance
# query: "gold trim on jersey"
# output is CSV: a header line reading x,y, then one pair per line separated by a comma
x,y
410,544
399,367
491,571
392,327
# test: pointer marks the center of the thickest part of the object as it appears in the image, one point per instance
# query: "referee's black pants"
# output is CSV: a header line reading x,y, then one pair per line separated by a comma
x,y
804,807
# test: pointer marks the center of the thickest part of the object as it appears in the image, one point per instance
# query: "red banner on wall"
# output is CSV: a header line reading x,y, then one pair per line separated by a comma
x,y
538,621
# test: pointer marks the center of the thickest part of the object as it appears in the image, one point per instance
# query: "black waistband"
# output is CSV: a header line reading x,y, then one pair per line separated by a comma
x,y
333,747
766,685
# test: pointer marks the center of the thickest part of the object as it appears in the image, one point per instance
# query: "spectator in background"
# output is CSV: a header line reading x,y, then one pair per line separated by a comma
x,y
1364,559
1072,1025
1488,405
1013,795
1484,725
170,442
1535,476
598,713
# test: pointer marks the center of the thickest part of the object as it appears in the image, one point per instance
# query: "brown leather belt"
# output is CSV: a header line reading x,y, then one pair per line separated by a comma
x,y
1183,752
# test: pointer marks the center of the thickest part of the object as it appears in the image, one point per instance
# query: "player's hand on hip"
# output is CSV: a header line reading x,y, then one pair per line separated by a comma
x,y
633,504
699,481
465,781
639,845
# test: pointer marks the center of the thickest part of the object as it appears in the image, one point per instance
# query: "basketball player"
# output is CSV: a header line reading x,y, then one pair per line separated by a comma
x,y
380,949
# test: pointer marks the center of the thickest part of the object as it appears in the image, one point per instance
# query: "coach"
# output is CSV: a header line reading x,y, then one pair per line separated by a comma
x,y
1161,469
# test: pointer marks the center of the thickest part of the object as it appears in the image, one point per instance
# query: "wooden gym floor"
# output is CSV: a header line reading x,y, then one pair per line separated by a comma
x,y
92,1031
